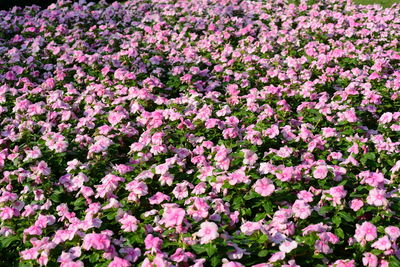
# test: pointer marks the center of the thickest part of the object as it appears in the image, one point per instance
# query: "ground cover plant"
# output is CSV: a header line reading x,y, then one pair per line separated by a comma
x,y
200,133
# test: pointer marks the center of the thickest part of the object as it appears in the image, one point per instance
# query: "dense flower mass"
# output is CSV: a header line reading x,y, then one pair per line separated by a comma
x,y
200,133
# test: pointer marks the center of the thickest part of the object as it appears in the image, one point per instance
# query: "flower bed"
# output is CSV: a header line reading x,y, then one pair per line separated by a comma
x,y
200,133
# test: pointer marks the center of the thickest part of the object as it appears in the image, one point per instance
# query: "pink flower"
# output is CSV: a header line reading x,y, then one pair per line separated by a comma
x,y
227,263
208,232
386,118
350,115
250,157
7,213
153,243
305,196
277,256
356,204
158,197
288,246
291,263
248,228
30,254
393,232
329,132
377,197
301,209
129,223
180,191
264,187
179,256
365,232
337,193
382,243
322,247
286,174
320,172
132,254
370,260
115,117
96,241
344,263
173,217
118,262
238,176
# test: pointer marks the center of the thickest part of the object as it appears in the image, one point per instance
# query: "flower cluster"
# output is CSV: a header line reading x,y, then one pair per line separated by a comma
x,y
200,133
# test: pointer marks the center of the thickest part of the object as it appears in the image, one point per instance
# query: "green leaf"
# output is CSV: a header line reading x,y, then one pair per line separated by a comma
x,y
250,195
215,261
263,253
211,249
263,238
325,209
198,248
393,261
260,216
267,205
6,241
346,216
24,264
336,220
339,232
94,257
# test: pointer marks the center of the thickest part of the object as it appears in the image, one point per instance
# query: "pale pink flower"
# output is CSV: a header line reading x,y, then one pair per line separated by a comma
x,y
118,262
173,217
386,117
301,209
115,117
153,243
264,187
377,197
277,256
248,228
96,241
208,232
227,263
286,174
129,223
288,246
344,263
320,172
250,157
365,232
356,204
393,232
305,196
382,243
329,132
370,260
158,197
